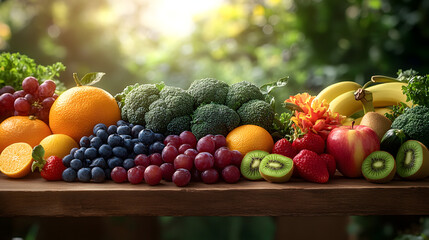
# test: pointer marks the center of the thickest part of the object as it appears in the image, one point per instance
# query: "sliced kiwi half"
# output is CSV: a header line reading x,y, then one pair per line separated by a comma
x,y
276,168
250,164
412,160
379,167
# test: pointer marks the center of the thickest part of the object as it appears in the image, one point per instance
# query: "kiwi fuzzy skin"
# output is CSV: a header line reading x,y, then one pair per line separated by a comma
x,y
423,171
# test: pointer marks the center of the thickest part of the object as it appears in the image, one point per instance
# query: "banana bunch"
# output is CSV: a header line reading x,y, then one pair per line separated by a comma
x,y
341,96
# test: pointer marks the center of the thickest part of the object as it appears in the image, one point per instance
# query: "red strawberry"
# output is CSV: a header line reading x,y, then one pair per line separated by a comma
x,y
285,148
330,163
311,167
310,141
50,169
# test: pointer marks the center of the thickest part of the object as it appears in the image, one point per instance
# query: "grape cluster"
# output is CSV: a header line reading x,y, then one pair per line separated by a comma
x,y
33,99
122,145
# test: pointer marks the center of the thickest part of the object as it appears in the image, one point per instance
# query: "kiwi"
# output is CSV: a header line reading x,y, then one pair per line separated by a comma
x,y
276,168
412,160
379,167
378,122
250,164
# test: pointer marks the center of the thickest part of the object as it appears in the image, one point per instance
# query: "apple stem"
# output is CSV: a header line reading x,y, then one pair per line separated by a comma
x,y
353,124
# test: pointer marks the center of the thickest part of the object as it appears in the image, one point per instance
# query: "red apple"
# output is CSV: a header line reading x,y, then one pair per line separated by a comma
x,y
350,145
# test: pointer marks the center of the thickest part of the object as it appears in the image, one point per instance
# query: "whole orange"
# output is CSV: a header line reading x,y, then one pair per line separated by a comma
x,y
22,129
79,109
247,138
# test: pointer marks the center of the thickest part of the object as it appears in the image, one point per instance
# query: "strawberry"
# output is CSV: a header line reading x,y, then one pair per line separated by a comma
x,y
310,141
311,167
285,148
330,163
50,169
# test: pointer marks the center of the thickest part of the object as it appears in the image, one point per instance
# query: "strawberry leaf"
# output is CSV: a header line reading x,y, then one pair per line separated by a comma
x,y
88,79
38,154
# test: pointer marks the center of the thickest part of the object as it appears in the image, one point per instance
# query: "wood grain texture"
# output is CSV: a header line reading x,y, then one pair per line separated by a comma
x,y
33,196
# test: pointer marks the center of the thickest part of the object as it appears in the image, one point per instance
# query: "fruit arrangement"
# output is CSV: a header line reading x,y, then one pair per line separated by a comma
x,y
213,132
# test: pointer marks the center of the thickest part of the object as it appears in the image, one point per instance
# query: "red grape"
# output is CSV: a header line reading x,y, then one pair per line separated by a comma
x,y
191,153
141,167
236,158
22,105
156,159
220,141
173,140
30,98
195,175
55,96
204,161
231,174
20,93
206,144
7,89
142,160
183,161
135,175
210,176
47,102
7,101
16,113
169,153
189,138
184,147
119,174
181,177
153,175
167,171
222,158
43,115
47,89
30,85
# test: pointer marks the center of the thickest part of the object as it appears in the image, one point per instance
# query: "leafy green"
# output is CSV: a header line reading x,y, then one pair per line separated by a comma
x,y
120,97
417,89
14,67
282,126
397,110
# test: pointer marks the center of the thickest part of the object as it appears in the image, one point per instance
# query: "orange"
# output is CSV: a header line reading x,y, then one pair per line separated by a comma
x,y
247,138
58,145
22,129
16,160
79,109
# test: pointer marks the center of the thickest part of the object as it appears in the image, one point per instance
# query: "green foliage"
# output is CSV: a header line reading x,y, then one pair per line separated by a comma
x,y
414,122
417,89
242,92
256,112
208,90
282,126
397,110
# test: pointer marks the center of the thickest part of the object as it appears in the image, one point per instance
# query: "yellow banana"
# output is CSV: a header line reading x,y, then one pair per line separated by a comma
x,y
348,121
345,104
336,89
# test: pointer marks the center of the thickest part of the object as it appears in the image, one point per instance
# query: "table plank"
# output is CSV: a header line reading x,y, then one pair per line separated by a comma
x,y
33,196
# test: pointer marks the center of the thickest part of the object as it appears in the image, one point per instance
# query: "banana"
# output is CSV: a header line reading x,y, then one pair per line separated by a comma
x,y
345,104
348,121
336,89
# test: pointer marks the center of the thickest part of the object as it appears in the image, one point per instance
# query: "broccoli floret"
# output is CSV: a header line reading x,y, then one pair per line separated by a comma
x,y
256,112
208,90
137,103
214,119
157,119
242,92
415,123
179,124
158,103
177,100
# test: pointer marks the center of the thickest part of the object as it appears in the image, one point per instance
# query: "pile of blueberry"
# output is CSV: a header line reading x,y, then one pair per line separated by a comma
x,y
109,147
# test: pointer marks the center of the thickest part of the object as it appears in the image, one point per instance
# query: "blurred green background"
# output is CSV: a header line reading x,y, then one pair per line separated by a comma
x,y
315,42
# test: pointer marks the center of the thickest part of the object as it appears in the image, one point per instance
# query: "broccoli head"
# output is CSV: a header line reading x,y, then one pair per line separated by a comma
x,y
256,112
157,119
414,122
137,103
177,100
242,92
208,90
213,118
179,125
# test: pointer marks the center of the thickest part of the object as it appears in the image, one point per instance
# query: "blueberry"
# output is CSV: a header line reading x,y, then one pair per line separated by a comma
x,y
135,140
115,140
132,155
98,174
107,172
128,144
146,136
136,130
67,159
121,123
99,162
114,162
123,136
120,152
156,147
84,141
124,130
79,154
76,164
159,137
73,150
69,175
84,174
140,148
112,129
131,125
90,138
96,142
103,135
98,127
87,162
105,151
128,163
91,153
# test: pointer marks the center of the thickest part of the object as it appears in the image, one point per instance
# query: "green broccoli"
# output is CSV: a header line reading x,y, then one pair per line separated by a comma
x,y
214,119
178,101
242,92
157,119
256,112
415,123
179,124
137,103
208,90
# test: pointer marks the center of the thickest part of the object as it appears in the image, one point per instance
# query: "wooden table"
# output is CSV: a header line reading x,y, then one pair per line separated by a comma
x,y
33,196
